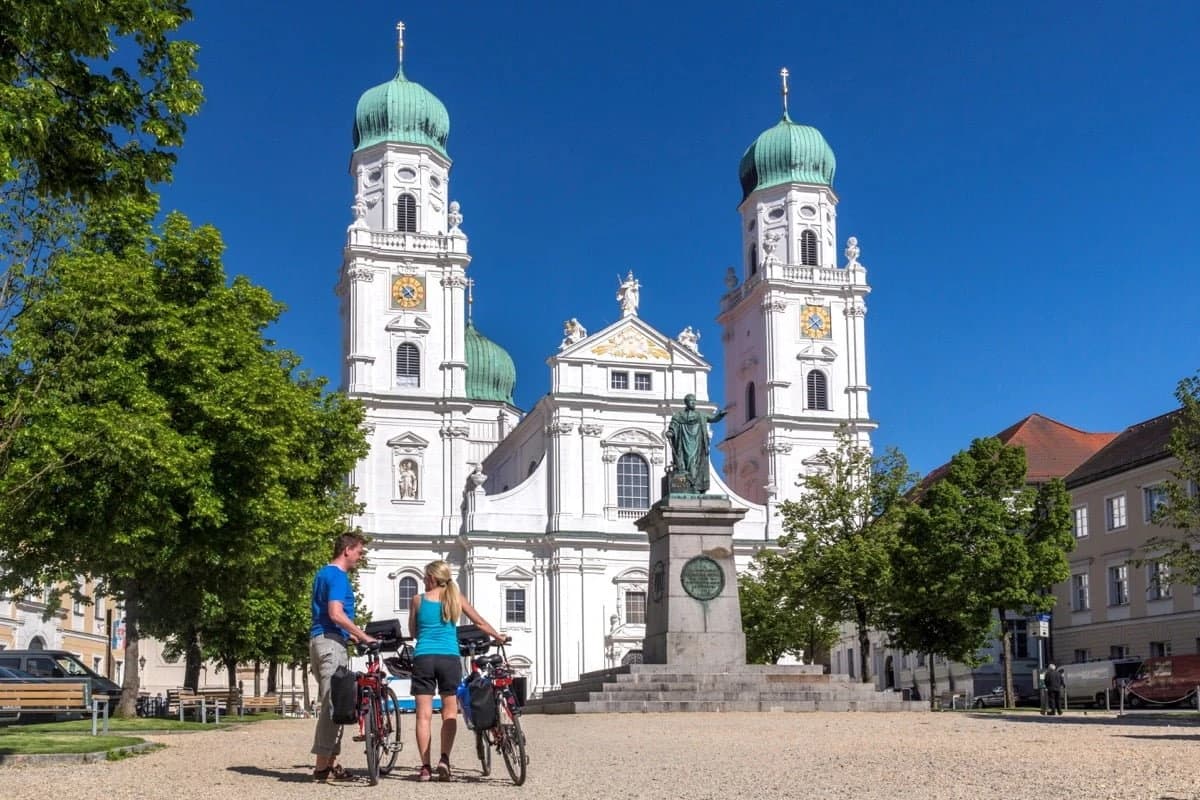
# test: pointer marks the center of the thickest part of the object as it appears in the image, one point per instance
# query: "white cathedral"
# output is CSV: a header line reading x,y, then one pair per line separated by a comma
x,y
536,509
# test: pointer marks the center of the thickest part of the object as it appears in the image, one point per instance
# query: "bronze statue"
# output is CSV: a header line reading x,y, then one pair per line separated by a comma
x,y
688,435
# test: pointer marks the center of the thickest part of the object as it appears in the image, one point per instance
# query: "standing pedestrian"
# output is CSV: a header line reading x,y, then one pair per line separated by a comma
x,y
332,627
437,665
1055,685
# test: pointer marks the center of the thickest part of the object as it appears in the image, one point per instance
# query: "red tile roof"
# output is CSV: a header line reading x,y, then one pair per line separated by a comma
x,y
1052,449
1143,443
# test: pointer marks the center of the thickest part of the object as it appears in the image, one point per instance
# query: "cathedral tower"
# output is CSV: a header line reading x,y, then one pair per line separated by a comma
x,y
792,328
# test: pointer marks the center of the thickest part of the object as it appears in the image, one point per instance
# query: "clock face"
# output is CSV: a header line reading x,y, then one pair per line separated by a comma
x,y
814,322
408,291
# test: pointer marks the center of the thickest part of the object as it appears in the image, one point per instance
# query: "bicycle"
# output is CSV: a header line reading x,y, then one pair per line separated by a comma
x,y
505,735
378,708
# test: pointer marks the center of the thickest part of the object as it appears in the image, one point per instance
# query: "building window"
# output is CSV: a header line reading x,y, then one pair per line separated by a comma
x,y
1160,649
98,607
1020,639
77,608
1082,656
408,365
406,591
641,381
1115,512
1080,599
1153,498
1118,585
751,411
633,482
752,259
1158,580
619,380
514,606
808,249
818,391
635,608
1118,651
850,661
1080,522
406,214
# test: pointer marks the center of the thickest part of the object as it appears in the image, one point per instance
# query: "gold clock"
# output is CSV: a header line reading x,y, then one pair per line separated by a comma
x,y
814,322
408,291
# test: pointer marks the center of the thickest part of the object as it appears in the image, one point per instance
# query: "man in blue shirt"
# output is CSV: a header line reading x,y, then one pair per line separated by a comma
x,y
332,628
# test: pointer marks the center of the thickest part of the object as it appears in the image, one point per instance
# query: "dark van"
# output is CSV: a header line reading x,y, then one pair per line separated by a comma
x,y
58,664
1164,680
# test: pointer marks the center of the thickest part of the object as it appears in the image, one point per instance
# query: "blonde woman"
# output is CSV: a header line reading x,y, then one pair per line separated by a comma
x,y
437,666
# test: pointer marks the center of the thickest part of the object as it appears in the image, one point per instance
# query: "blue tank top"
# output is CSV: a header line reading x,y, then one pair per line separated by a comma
x,y
435,637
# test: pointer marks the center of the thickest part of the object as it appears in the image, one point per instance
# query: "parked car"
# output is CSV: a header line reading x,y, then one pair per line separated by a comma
x,y
1164,680
58,664
15,674
995,698
1088,681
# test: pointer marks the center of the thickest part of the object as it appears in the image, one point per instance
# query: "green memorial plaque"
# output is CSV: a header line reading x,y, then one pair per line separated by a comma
x,y
702,578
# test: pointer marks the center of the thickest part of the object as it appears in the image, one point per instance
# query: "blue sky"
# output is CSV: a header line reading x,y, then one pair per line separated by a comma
x,y
1021,178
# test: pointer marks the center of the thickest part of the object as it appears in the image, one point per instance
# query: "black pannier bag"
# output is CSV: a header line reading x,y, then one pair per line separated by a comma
x,y
343,696
483,703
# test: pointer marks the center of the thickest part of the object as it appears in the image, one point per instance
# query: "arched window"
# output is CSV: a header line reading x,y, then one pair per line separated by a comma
x,y
407,589
818,391
633,482
752,260
406,214
751,411
808,249
408,365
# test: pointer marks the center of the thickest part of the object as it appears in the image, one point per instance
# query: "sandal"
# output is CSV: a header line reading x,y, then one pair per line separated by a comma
x,y
443,769
334,772
426,774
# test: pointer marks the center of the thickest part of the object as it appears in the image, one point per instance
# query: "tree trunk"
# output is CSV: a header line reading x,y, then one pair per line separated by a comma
x,y
933,700
272,677
191,672
1010,699
130,682
864,645
231,668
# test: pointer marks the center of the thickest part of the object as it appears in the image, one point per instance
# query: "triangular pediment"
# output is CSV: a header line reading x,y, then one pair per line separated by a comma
x,y
631,340
408,322
515,574
408,439
632,575
634,437
823,353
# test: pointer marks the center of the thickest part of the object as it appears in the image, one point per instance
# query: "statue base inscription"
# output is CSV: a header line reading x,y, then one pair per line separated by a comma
x,y
692,612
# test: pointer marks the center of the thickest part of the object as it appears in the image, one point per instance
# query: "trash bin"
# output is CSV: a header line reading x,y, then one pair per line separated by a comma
x,y
520,687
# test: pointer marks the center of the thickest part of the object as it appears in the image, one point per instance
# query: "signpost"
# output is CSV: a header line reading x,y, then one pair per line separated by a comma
x,y
1039,627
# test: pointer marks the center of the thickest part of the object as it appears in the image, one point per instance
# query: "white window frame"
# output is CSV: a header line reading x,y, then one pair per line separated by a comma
x,y
618,376
1158,581
405,575
1118,585
631,593
628,459
1081,597
407,381
1111,504
1079,521
509,593
643,377
1154,497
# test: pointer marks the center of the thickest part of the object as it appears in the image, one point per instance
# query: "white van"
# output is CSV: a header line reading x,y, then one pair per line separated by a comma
x,y
1087,682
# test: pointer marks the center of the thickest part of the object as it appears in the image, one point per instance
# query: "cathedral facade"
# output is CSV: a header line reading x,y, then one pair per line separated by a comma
x,y
536,508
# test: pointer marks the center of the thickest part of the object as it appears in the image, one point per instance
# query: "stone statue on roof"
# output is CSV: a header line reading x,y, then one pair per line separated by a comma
x,y
628,295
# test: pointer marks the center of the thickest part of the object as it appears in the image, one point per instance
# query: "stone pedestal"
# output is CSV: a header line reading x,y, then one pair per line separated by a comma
x,y
692,611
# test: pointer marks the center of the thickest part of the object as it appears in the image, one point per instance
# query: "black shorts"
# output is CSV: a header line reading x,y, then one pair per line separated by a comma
x,y
438,675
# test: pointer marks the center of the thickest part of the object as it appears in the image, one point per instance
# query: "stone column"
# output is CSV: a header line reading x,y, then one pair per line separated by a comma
x,y
692,612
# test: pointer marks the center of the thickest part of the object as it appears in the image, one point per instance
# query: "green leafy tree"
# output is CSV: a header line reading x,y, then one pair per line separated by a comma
x,y
1016,537
1178,549
773,627
170,449
93,96
839,534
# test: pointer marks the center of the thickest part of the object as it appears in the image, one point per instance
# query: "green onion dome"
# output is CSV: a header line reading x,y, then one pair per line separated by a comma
x,y
401,111
491,374
786,153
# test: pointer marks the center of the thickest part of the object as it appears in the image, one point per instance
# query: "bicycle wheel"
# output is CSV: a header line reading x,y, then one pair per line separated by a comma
x,y
512,744
389,742
483,749
370,736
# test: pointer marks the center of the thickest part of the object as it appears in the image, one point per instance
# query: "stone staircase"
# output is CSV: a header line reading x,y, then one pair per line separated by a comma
x,y
650,688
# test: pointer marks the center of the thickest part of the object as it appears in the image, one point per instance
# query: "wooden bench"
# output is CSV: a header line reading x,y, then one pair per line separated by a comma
x,y
53,696
271,702
216,698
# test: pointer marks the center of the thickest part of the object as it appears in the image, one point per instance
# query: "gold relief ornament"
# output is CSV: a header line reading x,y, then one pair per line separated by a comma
x,y
630,343
408,291
814,322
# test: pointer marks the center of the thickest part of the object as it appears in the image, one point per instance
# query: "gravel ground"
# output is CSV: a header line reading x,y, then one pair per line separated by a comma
x,y
687,756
